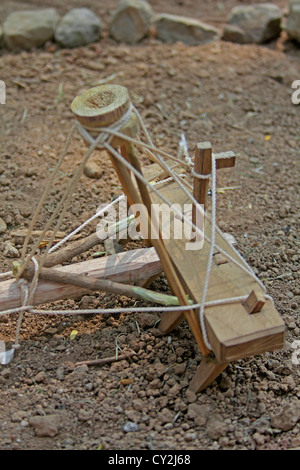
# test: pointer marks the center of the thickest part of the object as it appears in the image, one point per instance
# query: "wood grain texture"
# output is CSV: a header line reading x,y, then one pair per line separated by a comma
x,y
232,331
127,267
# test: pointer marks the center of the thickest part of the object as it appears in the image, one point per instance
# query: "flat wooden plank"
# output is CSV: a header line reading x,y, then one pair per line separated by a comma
x,y
232,331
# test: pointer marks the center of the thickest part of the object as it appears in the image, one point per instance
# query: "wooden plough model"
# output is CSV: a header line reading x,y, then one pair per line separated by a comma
x,y
213,288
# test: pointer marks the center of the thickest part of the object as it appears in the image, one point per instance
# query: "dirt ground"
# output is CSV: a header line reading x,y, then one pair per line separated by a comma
x,y
237,97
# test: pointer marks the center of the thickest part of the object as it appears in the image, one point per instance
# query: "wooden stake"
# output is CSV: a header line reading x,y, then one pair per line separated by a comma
x,y
202,166
106,360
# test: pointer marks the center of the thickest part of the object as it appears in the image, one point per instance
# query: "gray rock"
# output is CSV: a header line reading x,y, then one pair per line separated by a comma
x,y
10,250
131,21
78,27
165,416
216,428
173,28
253,24
130,426
293,20
288,417
27,29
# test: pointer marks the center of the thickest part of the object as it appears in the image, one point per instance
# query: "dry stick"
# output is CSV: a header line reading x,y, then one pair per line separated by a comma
x,y
80,246
89,283
106,360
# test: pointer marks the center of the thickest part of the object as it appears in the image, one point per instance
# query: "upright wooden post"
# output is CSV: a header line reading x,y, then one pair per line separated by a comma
x,y
202,166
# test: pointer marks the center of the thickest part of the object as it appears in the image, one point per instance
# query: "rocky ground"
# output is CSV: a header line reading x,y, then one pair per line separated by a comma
x,y
239,98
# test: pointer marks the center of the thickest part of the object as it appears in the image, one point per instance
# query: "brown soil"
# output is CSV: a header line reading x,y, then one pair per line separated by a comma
x,y
239,98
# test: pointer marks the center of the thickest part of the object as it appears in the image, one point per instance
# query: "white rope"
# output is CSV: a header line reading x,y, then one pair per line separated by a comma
x,y
181,308
211,252
27,296
98,214
104,136
88,221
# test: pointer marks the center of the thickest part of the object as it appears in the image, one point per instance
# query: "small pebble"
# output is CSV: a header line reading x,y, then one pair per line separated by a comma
x,y
130,427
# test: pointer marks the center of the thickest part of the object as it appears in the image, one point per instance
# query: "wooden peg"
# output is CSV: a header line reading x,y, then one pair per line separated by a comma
x,y
255,302
225,159
202,166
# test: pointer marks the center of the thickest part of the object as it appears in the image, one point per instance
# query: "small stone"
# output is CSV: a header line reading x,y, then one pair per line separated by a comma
x,y
193,410
179,369
259,438
92,170
174,28
133,415
79,373
88,301
190,396
10,250
216,428
147,320
51,331
78,27
40,377
165,416
130,427
18,416
45,426
258,23
174,390
3,226
224,441
190,436
293,20
85,415
131,21
138,404
199,413
60,373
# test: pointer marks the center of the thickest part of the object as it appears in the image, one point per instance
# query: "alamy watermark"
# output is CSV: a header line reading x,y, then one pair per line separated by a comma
x,y
169,222
296,94
2,92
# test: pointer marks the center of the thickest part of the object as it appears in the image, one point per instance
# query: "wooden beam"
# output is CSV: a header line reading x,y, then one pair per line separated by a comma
x,y
202,166
127,267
